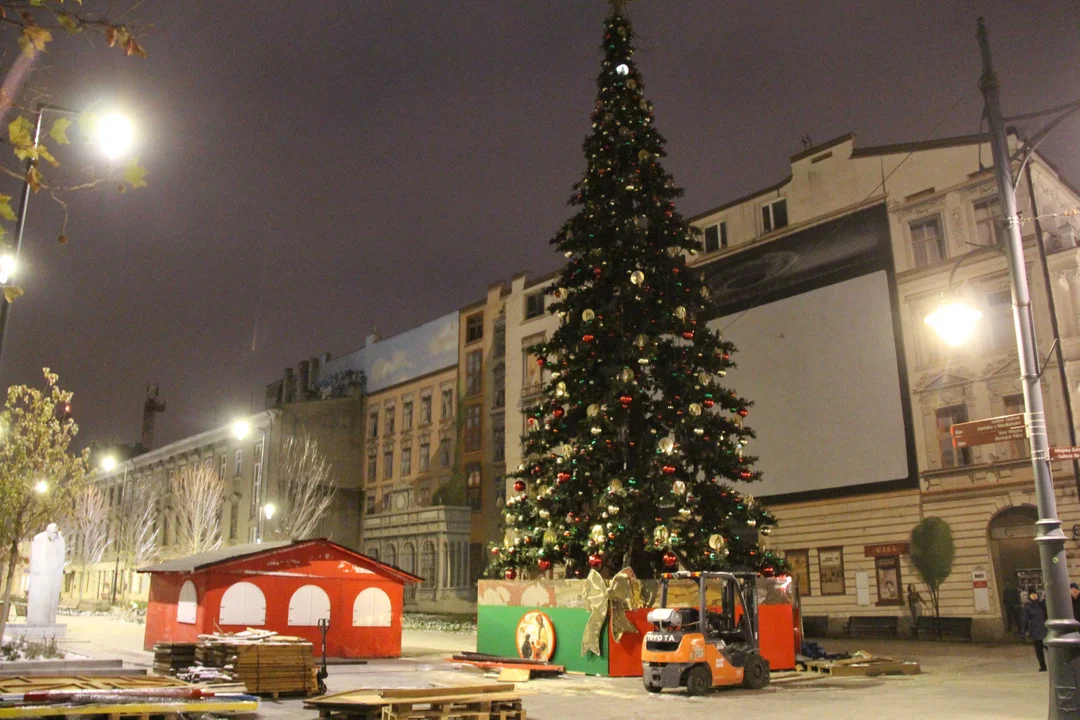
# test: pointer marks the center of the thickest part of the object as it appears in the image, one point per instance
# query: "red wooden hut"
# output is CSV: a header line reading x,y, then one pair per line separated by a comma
x,y
282,586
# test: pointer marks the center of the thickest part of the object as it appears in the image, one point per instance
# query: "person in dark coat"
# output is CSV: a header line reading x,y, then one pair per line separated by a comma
x,y
1012,607
1033,624
1074,591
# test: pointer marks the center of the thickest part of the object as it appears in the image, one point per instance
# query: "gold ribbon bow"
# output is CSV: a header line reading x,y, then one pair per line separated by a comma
x,y
622,594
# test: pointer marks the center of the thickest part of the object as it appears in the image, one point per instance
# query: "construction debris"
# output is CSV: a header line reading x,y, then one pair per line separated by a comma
x,y
474,702
171,658
862,664
535,668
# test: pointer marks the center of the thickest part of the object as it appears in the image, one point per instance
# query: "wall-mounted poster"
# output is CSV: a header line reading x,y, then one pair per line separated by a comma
x,y
887,568
799,563
535,636
831,565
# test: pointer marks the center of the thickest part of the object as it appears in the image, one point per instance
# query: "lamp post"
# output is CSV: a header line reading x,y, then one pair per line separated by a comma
x,y
114,137
1063,641
108,463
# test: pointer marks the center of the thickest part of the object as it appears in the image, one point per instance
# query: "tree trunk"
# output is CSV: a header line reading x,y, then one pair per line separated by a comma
x,y
5,605
937,610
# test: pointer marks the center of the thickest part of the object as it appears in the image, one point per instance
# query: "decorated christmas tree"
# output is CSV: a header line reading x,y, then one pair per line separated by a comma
x,y
630,455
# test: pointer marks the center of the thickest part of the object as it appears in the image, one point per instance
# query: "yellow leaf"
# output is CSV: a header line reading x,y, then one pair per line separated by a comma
x,y
87,123
19,131
33,178
33,39
12,293
5,208
134,174
59,130
68,23
43,152
133,48
110,35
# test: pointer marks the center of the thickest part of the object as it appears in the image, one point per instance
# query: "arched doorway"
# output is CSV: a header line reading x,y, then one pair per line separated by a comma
x,y
1013,548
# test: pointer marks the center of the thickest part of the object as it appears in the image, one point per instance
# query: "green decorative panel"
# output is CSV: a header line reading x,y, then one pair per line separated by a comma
x,y
497,635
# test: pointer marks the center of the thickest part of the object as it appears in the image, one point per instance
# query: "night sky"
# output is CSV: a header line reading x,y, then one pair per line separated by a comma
x,y
317,168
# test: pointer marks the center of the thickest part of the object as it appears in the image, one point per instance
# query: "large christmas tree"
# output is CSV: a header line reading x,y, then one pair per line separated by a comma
x,y
629,455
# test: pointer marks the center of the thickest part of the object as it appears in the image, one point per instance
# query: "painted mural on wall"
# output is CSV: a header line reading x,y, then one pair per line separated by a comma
x,y
411,354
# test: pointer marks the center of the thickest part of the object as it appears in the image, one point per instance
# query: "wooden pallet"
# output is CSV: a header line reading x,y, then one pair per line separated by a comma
x,y
25,684
863,667
485,702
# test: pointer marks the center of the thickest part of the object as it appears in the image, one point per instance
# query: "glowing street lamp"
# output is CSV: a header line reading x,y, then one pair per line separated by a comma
x,y
954,322
269,510
241,429
108,463
41,487
7,267
114,135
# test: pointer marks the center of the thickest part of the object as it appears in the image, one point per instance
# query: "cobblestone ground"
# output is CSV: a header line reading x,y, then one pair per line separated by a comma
x,y
960,680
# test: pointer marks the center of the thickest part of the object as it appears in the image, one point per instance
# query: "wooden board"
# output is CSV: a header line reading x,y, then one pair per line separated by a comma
x,y
511,674
877,666
538,669
24,684
372,698
124,710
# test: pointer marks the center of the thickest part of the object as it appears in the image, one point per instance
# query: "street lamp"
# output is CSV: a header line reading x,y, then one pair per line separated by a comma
x,y
114,136
241,429
269,510
41,487
108,463
954,322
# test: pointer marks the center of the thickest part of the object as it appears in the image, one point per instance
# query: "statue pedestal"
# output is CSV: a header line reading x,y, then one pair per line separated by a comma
x,y
36,631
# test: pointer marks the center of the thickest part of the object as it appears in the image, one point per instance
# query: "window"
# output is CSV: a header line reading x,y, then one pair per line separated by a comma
x,y
988,230
165,529
716,237
889,587
234,519
372,607
406,460
252,536
534,373
223,467
388,415
425,409
444,453
472,485
498,443
427,564
370,501
473,439
188,605
1000,333
447,404
1014,404
927,241
243,604
388,464
947,417
534,305
371,468
474,328
425,456
308,605
499,486
498,381
473,365
774,215
831,568
256,485
408,558
373,424
238,462
406,416
424,492
799,563
385,499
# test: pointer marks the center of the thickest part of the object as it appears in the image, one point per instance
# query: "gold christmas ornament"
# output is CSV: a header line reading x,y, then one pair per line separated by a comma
x,y
593,410
678,487
597,534
637,277
684,513
544,514
615,486
699,431
704,377
588,315
550,536
751,523
595,430
560,389
627,375
641,341
694,409
667,444
680,312
661,535
717,541
614,510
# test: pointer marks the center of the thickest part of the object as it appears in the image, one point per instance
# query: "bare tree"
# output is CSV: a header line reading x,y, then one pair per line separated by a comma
x,y
139,535
198,493
305,487
89,532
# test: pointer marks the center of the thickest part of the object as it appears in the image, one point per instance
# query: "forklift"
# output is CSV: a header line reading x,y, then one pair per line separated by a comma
x,y
703,647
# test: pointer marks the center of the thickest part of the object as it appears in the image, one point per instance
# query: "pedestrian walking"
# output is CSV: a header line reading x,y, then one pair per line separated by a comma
x,y
1033,625
1011,603
915,602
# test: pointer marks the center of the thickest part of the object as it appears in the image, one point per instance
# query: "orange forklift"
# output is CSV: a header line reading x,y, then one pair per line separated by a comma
x,y
707,646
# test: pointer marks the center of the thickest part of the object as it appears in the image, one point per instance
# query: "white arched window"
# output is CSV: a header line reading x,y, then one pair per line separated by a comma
x,y
308,605
371,609
187,606
391,555
243,604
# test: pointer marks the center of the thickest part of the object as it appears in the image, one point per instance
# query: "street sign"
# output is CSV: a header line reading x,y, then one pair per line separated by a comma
x,y
991,430
1065,453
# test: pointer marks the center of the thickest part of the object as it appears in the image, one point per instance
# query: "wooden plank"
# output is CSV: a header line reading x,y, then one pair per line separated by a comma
x,y
443,691
510,674
129,709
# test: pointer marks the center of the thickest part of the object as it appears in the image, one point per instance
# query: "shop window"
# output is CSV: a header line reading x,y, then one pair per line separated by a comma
x,y
831,569
889,584
799,563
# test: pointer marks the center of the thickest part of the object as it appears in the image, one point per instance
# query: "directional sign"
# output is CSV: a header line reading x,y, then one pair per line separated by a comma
x,y
989,431
1065,453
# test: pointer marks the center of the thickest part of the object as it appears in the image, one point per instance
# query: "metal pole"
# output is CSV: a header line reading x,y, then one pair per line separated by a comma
x,y
20,225
122,528
1063,641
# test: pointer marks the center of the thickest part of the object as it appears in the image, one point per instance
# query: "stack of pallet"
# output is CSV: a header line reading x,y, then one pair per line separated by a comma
x,y
171,658
475,702
266,664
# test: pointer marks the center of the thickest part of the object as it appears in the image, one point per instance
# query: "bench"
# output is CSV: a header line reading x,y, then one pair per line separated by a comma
x,y
871,626
815,626
951,628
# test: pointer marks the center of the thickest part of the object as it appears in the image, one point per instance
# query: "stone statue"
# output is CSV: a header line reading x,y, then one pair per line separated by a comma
x,y
46,573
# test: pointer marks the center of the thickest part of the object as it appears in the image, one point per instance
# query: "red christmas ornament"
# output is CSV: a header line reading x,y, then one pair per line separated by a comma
x,y
670,559
558,412
669,469
746,474
494,551
563,477
625,400
596,271
744,412
688,335
595,561
707,403
544,565
510,574
587,338
519,486
540,361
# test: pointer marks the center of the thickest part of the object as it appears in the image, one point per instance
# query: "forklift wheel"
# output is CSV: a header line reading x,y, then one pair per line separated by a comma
x,y
653,688
698,680
755,672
